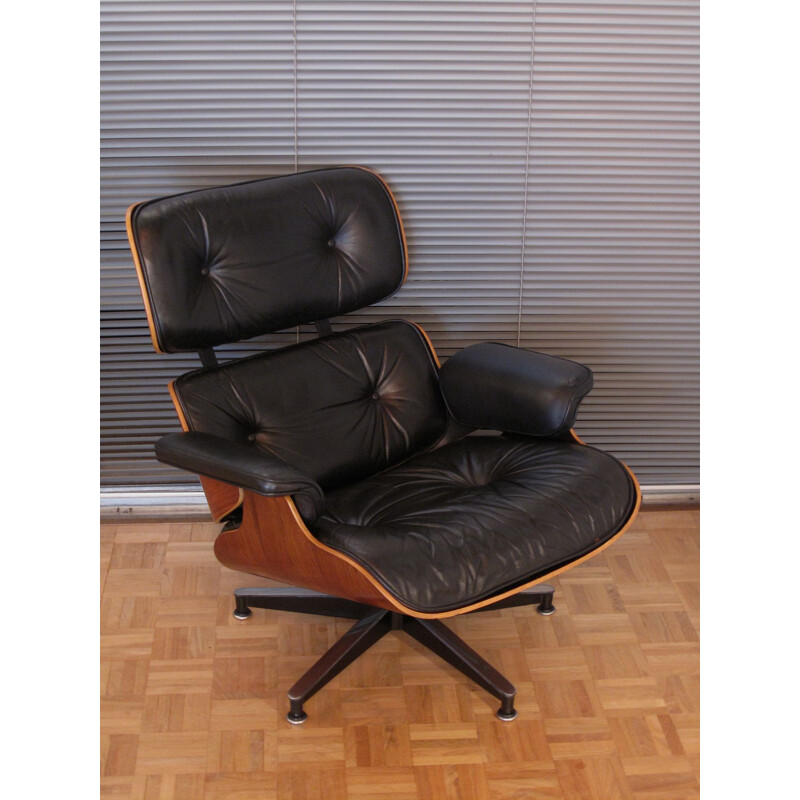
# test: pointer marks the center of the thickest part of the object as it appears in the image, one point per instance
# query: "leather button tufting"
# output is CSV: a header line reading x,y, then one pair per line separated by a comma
x,y
376,396
211,246
488,509
251,437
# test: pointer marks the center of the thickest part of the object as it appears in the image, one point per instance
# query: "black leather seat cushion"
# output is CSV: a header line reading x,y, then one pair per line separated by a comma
x,y
478,516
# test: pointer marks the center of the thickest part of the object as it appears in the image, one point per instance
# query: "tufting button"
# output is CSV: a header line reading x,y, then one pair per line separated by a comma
x,y
204,271
331,242
251,437
376,396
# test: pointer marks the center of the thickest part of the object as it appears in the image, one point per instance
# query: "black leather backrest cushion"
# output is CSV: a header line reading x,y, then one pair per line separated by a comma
x,y
225,264
338,408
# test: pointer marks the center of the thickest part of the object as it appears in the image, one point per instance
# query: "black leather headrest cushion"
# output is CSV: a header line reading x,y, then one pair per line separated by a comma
x,y
225,264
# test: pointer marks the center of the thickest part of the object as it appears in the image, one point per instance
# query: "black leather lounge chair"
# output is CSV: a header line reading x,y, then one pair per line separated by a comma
x,y
345,465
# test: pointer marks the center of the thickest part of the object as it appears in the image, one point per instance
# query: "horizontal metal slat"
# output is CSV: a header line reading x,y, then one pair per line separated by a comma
x,y
435,96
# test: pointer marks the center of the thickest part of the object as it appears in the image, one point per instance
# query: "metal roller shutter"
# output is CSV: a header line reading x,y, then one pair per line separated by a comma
x,y
550,201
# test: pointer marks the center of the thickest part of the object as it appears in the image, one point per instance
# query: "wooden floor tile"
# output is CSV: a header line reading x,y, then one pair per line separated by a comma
x,y
180,676
453,781
302,782
176,712
193,702
567,699
133,582
558,664
582,737
168,787
381,783
592,597
240,786
172,753
622,696
663,626
445,744
373,669
439,702
375,705
124,680
116,787
242,751
524,741
672,658
616,661
688,728
186,642
127,646
133,532
560,632
138,555
297,745
593,779
121,715
650,596
524,782
378,745
661,778
128,612
190,581
118,753
602,629
243,714
179,612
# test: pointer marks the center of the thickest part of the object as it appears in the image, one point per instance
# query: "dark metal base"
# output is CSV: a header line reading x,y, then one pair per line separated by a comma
x,y
372,625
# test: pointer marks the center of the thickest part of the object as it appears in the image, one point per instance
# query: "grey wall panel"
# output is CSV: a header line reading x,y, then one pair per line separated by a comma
x,y
435,96
612,225
193,94
544,156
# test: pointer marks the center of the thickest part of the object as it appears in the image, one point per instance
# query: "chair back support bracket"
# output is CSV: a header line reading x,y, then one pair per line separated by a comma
x,y
208,358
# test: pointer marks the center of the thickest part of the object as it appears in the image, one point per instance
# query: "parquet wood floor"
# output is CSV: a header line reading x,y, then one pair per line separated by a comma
x,y
193,701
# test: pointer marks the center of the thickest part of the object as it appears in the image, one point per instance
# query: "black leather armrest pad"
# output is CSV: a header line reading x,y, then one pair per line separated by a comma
x,y
242,465
505,388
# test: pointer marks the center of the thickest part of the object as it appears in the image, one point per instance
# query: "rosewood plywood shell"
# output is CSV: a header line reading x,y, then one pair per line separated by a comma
x,y
274,543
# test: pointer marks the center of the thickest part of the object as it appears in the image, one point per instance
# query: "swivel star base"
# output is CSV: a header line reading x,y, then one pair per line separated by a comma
x,y
372,625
